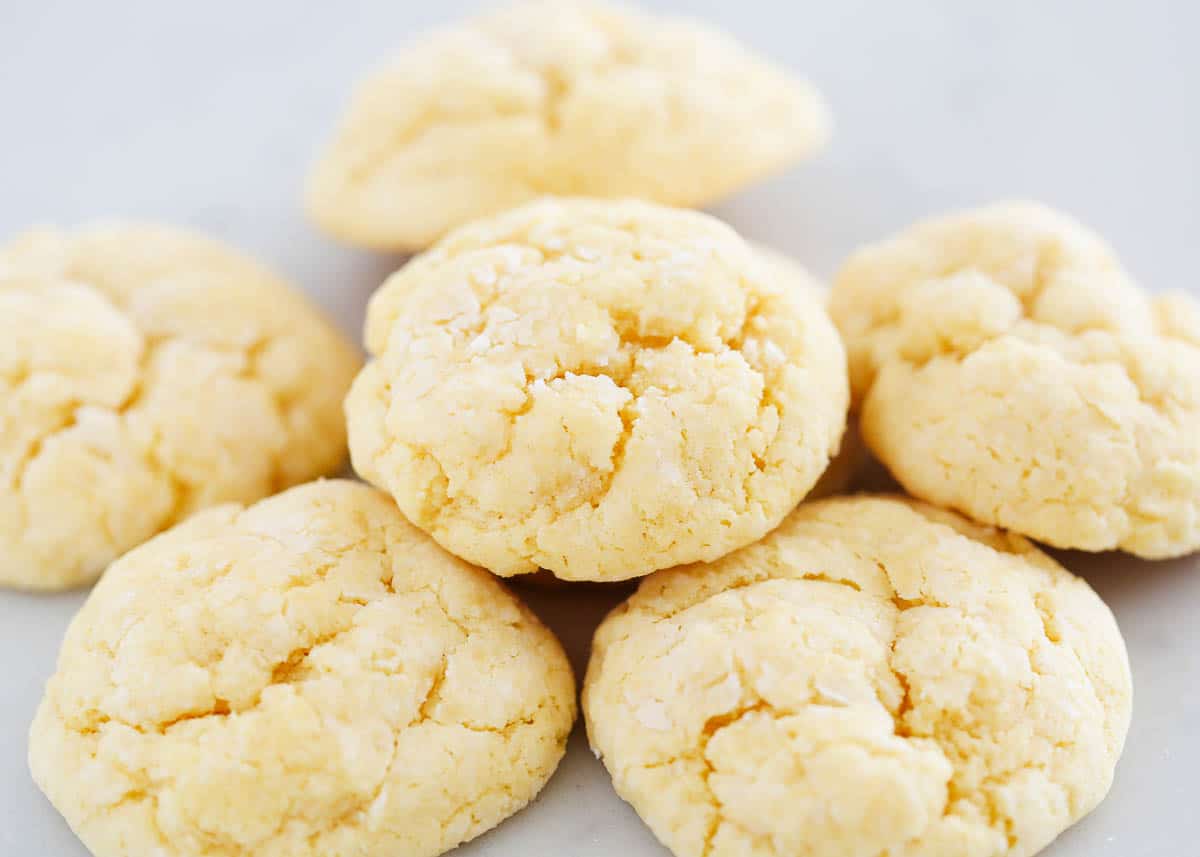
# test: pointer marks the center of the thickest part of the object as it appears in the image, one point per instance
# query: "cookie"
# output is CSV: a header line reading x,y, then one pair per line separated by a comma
x,y
1008,367
146,373
548,97
307,676
877,676
596,388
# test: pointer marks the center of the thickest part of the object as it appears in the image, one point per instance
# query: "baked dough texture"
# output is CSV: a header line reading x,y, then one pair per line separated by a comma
x,y
552,97
308,676
1009,368
596,388
875,677
146,373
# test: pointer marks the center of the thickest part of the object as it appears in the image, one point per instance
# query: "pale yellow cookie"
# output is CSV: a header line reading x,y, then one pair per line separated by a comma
x,y
596,388
555,97
308,676
845,466
146,373
1008,367
875,677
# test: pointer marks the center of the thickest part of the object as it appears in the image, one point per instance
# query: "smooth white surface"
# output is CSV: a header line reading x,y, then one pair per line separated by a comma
x,y
207,115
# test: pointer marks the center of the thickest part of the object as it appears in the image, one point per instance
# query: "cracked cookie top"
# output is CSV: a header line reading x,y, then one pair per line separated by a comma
x,y
875,677
600,389
146,373
1008,367
551,97
307,676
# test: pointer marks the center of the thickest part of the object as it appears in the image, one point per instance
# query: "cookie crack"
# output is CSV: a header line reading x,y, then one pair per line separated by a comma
x,y
711,728
369,800
66,422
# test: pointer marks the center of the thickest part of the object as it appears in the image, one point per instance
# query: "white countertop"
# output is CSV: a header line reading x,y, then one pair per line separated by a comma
x,y
207,115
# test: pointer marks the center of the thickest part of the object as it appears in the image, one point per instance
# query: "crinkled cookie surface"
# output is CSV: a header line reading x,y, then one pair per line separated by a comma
x,y
1008,367
875,677
600,389
308,676
541,98
146,373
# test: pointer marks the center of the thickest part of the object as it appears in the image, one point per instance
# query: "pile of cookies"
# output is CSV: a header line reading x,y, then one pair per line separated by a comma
x,y
576,379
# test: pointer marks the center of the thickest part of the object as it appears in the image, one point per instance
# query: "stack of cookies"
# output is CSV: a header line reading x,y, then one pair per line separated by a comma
x,y
577,380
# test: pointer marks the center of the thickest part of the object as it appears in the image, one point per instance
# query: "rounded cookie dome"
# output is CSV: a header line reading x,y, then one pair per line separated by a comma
x,y
600,389
1009,368
146,373
875,677
552,97
307,676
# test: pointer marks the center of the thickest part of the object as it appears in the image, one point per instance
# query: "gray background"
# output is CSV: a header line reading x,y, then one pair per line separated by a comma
x,y
207,115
